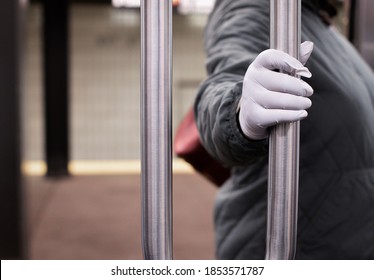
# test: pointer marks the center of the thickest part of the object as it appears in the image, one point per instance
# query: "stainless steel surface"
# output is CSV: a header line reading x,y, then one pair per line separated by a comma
x,y
156,131
284,144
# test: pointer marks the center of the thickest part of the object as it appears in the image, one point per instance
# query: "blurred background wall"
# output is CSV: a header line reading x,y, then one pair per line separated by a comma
x,y
105,78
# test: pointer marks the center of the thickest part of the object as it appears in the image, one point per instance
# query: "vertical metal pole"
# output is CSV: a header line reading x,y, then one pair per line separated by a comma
x,y
156,61
284,144
12,241
56,85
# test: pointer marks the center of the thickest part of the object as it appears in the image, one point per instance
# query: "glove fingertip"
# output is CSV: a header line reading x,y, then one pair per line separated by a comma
x,y
304,72
303,114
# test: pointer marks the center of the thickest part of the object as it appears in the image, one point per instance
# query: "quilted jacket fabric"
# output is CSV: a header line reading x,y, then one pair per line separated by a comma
x,y
336,195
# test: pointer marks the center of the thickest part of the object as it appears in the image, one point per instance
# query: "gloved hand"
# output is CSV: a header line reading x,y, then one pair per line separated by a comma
x,y
270,97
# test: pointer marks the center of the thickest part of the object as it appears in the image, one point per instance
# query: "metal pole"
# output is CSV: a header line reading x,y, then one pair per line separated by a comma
x,y
284,144
156,61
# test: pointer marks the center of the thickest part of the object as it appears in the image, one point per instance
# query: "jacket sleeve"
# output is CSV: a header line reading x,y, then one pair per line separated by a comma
x,y
236,32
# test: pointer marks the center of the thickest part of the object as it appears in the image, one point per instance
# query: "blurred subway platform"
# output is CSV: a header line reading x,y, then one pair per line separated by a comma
x,y
99,217
95,213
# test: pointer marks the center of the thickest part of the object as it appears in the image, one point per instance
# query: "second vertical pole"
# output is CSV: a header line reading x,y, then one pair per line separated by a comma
x,y
285,32
156,134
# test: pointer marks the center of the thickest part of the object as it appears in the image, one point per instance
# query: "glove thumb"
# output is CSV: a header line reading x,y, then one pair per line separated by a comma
x,y
306,49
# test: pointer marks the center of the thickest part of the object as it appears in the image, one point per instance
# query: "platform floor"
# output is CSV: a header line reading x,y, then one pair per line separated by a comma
x,y
99,217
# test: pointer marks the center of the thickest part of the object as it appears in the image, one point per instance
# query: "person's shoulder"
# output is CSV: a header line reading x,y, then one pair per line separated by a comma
x,y
228,12
238,6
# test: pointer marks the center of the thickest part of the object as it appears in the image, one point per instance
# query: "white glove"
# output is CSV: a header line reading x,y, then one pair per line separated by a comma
x,y
270,97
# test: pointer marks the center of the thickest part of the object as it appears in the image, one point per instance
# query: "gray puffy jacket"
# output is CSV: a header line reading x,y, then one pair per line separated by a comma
x,y
336,196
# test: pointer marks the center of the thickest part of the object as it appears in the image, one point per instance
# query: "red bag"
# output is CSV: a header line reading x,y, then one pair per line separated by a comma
x,y
187,146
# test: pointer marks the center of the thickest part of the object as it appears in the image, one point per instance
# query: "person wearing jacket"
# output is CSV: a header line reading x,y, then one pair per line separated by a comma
x,y
243,97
